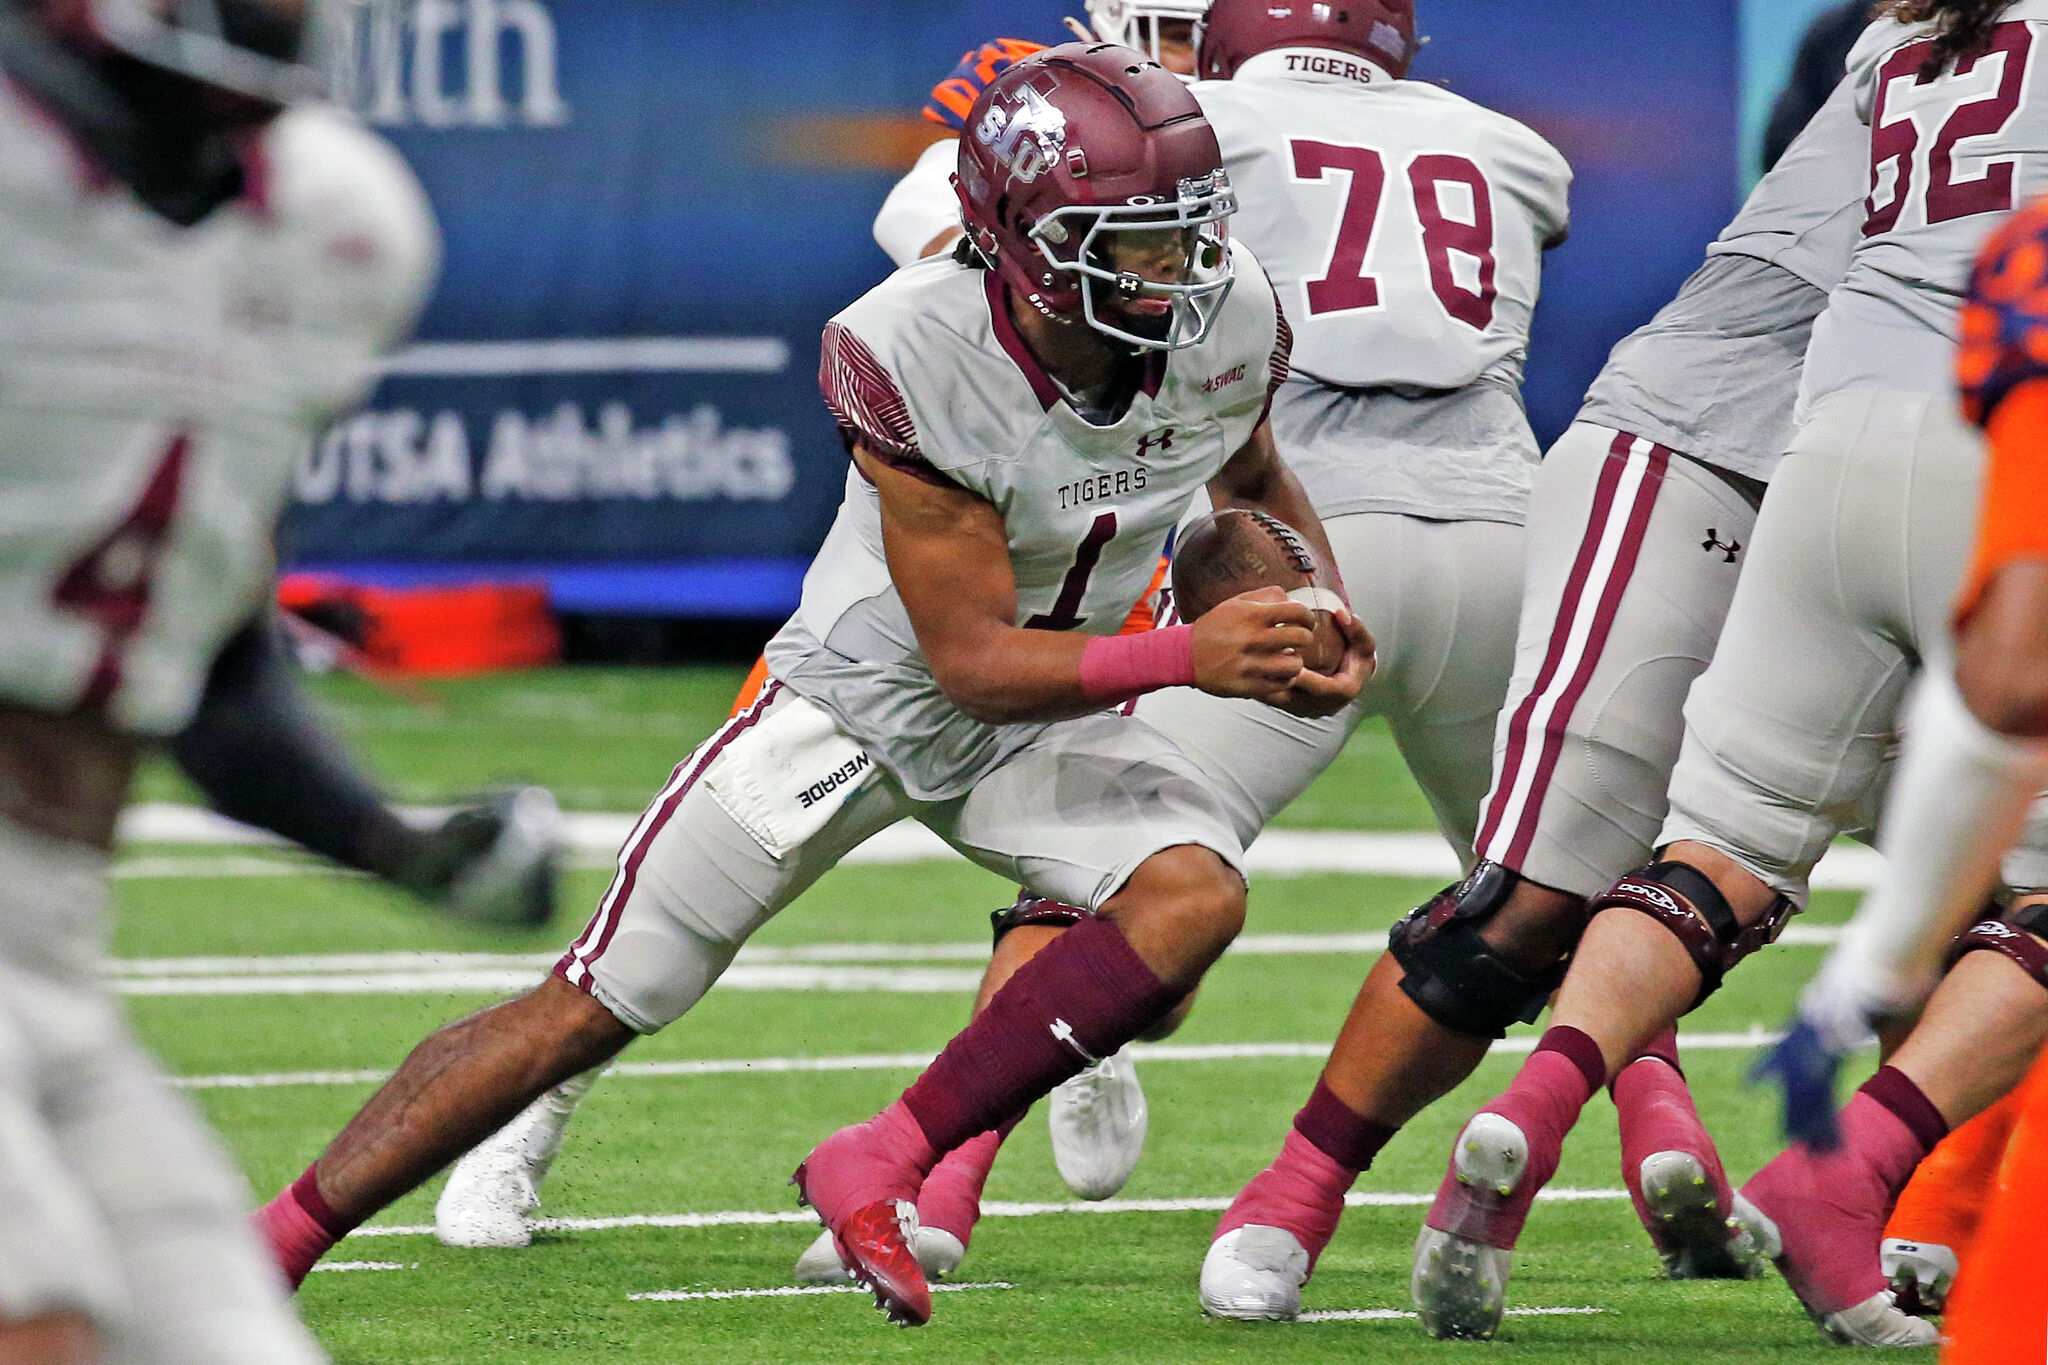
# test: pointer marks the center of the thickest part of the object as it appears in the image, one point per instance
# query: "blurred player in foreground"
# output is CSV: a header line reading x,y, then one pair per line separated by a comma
x,y
1026,425
1977,753
191,283
1854,562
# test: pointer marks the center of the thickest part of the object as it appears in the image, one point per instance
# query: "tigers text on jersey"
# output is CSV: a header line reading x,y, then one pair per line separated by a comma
x,y
157,384
928,373
1716,373
1949,156
1403,226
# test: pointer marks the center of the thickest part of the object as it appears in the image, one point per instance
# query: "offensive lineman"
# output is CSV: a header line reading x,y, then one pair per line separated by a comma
x,y
1025,427
1855,559
1638,521
183,311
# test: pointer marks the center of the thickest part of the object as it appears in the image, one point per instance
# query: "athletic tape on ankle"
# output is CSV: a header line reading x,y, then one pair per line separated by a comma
x,y
1339,1132
1117,668
1580,1050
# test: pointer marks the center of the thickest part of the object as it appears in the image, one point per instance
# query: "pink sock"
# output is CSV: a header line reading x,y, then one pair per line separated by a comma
x,y
1544,1102
1302,1191
950,1199
1079,999
1657,1114
299,1227
1831,1207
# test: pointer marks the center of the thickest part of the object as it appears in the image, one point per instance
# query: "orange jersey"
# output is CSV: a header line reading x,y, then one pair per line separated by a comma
x,y
2003,372
952,97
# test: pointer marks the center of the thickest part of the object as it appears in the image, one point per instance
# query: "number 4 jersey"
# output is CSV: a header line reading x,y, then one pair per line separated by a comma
x,y
1404,229
927,372
1952,152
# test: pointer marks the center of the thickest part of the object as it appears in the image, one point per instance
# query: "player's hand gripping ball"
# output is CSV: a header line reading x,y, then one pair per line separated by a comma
x,y
1237,551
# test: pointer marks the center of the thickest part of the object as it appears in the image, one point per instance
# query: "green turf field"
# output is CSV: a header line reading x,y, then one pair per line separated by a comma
x,y
1074,1286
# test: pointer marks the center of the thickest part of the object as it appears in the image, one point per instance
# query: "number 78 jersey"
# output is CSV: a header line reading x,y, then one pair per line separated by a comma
x,y
1403,226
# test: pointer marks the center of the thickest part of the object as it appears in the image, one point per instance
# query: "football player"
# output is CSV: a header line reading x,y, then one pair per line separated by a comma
x,y
1636,528
1027,423
1402,414
1975,756
1853,565
1097,1119
190,282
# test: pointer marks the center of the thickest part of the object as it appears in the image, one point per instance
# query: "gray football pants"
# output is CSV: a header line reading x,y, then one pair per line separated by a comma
x,y
1862,542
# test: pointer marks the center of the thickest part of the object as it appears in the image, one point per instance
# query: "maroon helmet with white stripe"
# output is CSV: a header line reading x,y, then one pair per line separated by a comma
x,y
1067,158
1234,31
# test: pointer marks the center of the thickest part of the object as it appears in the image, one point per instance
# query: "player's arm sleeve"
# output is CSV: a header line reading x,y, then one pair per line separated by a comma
x,y
922,206
868,407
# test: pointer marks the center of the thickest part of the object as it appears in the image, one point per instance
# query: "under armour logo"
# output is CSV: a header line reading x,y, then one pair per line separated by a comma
x,y
1164,440
1713,543
1064,1031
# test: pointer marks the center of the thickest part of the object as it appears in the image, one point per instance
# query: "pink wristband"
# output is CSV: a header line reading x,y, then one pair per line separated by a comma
x,y
1116,668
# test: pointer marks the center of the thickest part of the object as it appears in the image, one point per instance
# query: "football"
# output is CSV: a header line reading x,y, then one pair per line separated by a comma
x,y
1237,551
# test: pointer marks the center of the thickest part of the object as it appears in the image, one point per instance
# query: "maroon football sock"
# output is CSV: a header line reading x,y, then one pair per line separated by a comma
x,y
1076,1001
1340,1133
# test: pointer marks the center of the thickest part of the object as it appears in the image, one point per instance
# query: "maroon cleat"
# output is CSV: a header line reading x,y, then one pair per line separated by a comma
x,y
874,1244
863,1181
1674,1179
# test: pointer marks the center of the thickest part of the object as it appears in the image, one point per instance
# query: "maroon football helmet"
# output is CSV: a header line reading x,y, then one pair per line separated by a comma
x,y
1233,31
1077,144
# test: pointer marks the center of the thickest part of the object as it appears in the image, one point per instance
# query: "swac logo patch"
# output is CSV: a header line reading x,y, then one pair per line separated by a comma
x,y
1027,135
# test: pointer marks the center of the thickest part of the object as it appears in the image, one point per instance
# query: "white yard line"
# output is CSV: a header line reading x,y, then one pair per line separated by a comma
x,y
807,967
1397,1314
792,1291
337,1266
1276,853
1754,1038
992,1209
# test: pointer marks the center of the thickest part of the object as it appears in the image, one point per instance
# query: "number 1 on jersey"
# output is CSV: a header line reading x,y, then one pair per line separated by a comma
x,y
1066,610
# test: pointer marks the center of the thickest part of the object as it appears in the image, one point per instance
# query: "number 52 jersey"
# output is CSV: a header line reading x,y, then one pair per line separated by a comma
x,y
1952,153
928,374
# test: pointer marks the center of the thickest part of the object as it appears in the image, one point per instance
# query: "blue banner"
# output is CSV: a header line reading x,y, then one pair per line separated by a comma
x,y
652,206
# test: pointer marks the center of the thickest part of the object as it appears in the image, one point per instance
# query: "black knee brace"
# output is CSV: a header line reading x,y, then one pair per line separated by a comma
x,y
1685,900
2011,934
1451,973
1030,909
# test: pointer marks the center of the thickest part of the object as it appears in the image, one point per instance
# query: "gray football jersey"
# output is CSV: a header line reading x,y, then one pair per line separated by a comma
x,y
1404,228
1950,156
928,373
1716,373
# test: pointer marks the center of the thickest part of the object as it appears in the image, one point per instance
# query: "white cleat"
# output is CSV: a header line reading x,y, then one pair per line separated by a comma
x,y
1254,1274
1877,1321
1920,1273
1698,1240
492,1189
1098,1124
1460,1284
938,1252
